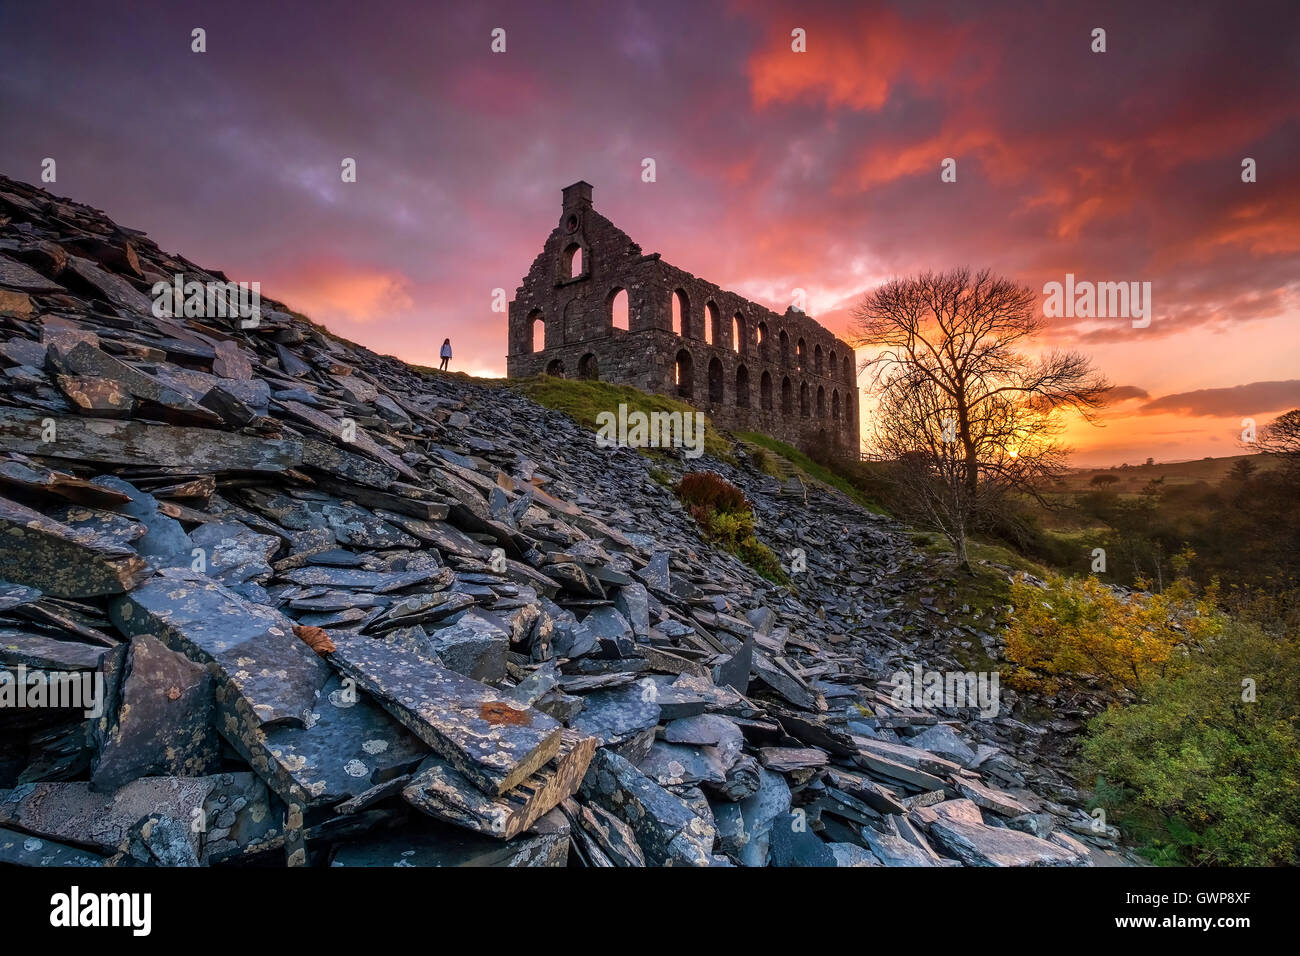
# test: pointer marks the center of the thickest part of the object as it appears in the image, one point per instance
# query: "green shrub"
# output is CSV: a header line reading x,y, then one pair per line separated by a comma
x,y
1200,775
762,459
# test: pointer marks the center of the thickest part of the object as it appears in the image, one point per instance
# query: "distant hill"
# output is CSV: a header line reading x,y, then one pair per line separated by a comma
x,y
1132,478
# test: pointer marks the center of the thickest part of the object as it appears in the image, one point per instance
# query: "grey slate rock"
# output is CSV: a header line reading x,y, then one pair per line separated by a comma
x,y
23,849
632,601
165,723
734,671
793,844
473,646
345,745
492,740
42,553
618,714
430,843
683,765
943,740
745,828
667,830
957,828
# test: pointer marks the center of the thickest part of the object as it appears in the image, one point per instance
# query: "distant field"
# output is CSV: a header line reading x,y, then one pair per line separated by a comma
x,y
1133,478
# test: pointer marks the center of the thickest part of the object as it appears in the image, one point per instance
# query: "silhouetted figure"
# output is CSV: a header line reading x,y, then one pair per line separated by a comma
x,y
445,353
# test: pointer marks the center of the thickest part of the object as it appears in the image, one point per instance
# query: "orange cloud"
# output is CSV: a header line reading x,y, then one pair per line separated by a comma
x,y
853,64
339,293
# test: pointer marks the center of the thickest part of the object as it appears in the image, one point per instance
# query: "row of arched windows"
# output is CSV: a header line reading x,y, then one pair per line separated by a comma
x,y
819,364
811,404
828,364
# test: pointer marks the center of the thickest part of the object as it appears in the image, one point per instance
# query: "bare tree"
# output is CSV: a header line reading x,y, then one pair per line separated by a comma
x,y
964,415
1281,438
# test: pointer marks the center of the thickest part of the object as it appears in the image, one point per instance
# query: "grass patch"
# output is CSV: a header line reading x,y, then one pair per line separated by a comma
x,y
810,468
984,594
936,545
584,399
765,461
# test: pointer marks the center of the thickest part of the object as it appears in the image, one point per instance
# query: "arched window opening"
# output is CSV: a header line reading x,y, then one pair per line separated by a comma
x,y
805,400
821,402
573,261
787,397
684,374
536,330
742,387
765,392
848,369
555,367
618,309
801,351
817,359
835,404
587,367
711,323
681,313
738,343
785,349
715,382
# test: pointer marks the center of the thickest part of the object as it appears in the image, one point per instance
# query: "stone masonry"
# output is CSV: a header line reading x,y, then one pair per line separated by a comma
x,y
593,305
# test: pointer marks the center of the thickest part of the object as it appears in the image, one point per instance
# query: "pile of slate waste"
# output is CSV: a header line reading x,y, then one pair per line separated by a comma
x,y
325,609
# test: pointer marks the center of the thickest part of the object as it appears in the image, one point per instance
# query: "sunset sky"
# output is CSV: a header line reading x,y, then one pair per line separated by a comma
x,y
776,170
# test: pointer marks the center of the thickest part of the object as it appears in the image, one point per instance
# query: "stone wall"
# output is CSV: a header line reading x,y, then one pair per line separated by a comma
x,y
748,367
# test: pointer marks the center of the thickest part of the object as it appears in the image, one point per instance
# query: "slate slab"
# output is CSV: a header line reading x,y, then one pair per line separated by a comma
x,y
62,561
956,827
346,745
617,714
252,646
164,725
441,791
474,646
667,830
431,843
492,740
23,849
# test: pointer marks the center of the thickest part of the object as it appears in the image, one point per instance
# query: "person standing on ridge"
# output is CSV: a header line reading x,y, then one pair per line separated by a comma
x,y
445,353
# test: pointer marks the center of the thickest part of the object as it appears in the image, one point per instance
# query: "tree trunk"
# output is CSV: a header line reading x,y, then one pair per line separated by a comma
x,y
959,542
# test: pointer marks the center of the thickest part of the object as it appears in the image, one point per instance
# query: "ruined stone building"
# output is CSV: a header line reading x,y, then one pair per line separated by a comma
x,y
593,305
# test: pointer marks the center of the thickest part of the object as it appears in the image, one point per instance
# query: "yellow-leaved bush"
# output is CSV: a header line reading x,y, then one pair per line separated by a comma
x,y
1080,628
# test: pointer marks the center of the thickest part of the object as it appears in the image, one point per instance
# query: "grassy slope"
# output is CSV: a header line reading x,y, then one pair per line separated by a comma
x,y
585,399
810,468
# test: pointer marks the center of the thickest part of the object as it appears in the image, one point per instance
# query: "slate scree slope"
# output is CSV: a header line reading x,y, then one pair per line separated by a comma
x,y
749,368
336,611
